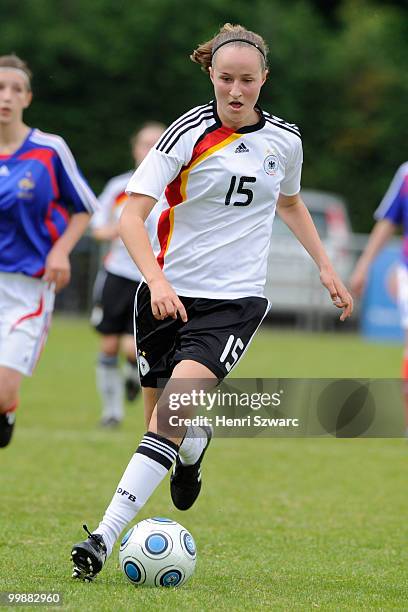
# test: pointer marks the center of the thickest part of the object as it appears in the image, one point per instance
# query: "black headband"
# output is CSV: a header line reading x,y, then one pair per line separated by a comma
x,y
248,42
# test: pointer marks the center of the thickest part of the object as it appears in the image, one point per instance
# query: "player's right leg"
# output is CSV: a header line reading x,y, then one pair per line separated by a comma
x,y
26,306
153,457
109,381
147,468
150,396
88,556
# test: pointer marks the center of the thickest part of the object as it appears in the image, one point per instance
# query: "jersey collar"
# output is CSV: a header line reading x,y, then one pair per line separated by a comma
x,y
246,128
20,148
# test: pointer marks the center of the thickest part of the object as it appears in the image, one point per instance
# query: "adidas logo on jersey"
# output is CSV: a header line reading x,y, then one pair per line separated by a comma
x,y
242,148
4,171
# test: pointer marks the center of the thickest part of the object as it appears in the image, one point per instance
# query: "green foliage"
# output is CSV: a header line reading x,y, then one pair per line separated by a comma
x,y
102,68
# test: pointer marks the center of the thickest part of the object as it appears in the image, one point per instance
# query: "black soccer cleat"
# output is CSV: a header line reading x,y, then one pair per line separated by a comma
x,y
132,389
7,422
88,557
185,481
132,381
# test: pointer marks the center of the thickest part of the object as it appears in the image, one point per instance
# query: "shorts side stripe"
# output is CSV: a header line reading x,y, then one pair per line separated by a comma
x,y
48,296
40,344
268,305
31,315
135,327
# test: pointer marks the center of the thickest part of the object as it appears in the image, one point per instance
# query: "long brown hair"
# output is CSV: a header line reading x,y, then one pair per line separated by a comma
x,y
203,54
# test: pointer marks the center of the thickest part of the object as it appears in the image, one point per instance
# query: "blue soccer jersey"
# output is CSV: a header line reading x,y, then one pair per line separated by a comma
x,y
40,187
394,205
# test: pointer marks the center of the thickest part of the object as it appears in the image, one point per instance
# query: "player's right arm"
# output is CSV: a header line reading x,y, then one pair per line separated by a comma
x,y
159,168
164,300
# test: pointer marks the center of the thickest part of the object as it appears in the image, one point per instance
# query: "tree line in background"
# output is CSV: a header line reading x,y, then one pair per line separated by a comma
x,y
337,69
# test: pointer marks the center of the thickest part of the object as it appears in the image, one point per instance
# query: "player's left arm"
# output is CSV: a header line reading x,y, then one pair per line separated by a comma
x,y
295,214
80,202
57,265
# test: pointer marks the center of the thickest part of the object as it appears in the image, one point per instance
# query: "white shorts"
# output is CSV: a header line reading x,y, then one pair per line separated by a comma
x,y
26,306
402,285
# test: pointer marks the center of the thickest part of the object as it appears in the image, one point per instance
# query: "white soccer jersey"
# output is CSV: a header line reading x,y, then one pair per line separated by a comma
x,y
217,191
112,201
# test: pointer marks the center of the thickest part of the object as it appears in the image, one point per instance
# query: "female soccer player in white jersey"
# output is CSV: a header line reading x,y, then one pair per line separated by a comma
x,y
44,209
217,174
115,288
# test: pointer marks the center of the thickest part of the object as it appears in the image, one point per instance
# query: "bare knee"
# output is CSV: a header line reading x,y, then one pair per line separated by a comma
x,y
110,345
128,347
149,401
10,381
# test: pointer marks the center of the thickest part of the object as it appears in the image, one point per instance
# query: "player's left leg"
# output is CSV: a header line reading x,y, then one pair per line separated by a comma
x,y
147,468
185,481
217,336
10,381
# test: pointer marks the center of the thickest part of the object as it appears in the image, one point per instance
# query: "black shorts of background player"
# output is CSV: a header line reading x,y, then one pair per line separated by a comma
x,y
115,289
218,173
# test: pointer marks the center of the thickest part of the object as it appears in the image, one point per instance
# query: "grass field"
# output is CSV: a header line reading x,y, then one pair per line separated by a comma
x,y
281,524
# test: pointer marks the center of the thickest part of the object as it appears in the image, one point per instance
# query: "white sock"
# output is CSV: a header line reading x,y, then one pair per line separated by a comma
x,y
145,471
110,386
192,445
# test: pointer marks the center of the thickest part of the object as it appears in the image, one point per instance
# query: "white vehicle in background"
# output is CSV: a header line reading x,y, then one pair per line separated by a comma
x,y
293,284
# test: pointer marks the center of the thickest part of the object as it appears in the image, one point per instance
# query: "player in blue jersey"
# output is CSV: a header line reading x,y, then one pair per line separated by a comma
x,y
45,205
391,213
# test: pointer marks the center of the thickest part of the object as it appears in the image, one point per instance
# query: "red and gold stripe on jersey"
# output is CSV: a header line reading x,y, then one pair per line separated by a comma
x,y
176,191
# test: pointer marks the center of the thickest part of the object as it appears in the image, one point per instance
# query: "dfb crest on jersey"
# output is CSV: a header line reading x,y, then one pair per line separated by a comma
x,y
271,164
96,315
144,366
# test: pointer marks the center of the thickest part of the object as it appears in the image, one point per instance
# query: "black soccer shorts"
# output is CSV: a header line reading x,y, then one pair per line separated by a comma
x,y
114,298
217,334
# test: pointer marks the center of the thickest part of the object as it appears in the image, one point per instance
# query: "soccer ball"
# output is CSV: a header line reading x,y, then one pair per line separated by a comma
x,y
158,552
